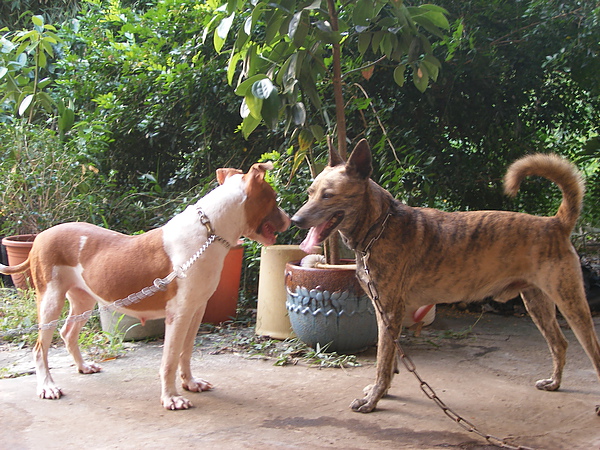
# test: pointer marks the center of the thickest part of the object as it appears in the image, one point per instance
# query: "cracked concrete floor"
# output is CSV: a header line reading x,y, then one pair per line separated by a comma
x,y
486,377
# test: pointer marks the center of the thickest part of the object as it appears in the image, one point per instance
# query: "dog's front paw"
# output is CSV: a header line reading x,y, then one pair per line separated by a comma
x,y
547,385
196,385
369,388
87,368
50,392
176,402
362,405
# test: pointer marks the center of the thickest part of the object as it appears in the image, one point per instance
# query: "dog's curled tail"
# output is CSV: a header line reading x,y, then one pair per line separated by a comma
x,y
556,169
11,270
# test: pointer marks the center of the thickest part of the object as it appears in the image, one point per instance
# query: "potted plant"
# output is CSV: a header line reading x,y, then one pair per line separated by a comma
x,y
282,58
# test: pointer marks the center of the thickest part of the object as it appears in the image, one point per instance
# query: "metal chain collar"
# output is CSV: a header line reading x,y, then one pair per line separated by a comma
x,y
407,361
159,284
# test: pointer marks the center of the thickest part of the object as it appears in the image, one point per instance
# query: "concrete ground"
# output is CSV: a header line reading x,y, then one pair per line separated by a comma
x,y
487,377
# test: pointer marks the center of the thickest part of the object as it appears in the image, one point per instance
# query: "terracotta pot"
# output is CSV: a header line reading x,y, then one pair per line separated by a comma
x,y
222,305
17,250
328,306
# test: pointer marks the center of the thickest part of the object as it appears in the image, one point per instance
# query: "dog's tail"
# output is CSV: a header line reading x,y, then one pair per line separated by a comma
x,y
557,170
11,270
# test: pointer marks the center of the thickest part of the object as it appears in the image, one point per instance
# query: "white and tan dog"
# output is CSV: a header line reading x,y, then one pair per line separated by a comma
x,y
89,264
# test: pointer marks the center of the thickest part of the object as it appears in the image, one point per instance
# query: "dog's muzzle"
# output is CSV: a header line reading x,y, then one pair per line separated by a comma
x,y
299,221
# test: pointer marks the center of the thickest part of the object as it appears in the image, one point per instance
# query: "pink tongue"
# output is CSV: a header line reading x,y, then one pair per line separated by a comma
x,y
312,239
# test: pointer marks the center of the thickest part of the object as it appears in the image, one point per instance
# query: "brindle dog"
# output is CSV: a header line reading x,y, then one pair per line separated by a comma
x,y
426,256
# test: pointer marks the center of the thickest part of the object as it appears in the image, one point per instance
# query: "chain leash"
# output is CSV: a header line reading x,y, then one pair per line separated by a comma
x,y
408,362
159,284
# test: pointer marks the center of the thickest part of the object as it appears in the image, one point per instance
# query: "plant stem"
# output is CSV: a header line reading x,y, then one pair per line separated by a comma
x,y
340,116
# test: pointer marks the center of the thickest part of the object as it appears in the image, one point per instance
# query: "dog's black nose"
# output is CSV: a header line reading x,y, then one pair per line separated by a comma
x,y
298,221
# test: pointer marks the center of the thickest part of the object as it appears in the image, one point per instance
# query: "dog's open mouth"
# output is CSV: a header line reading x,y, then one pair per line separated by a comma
x,y
318,234
267,231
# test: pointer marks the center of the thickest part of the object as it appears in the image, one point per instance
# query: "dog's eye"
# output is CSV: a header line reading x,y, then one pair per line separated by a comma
x,y
327,195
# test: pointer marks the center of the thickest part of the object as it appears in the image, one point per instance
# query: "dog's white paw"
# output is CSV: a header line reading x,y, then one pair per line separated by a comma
x,y
196,385
87,368
176,402
50,392
547,385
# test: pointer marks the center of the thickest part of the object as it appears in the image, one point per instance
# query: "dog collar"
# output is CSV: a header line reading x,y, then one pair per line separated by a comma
x,y
204,220
379,224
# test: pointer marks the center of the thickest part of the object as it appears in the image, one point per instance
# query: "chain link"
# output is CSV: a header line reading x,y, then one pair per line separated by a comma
x,y
159,284
410,365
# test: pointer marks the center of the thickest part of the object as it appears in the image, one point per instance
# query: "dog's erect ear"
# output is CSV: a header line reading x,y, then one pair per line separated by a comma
x,y
359,162
223,174
259,169
334,157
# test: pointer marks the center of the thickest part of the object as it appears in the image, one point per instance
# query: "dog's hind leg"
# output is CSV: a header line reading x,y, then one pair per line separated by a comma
x,y
50,305
188,381
80,302
575,309
543,313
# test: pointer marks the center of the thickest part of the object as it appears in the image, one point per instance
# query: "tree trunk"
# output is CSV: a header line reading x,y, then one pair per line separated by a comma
x,y
332,246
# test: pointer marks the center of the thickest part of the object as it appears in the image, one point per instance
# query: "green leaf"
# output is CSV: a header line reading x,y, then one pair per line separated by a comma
x,y
299,114
240,41
377,37
316,4
317,132
273,26
301,33
364,39
388,44
233,60
66,120
218,42
363,13
221,32
263,88
25,104
46,101
254,105
44,82
270,110
433,66
38,21
399,74
420,77
248,26
293,25
225,26
249,124
246,85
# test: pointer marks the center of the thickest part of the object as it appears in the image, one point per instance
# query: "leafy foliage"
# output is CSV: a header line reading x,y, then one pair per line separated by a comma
x,y
288,55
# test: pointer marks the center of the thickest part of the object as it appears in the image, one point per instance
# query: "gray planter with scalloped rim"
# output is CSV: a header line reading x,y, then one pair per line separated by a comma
x,y
328,306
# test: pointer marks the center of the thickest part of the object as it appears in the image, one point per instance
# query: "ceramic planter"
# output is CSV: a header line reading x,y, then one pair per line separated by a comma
x,y
271,316
328,306
17,250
